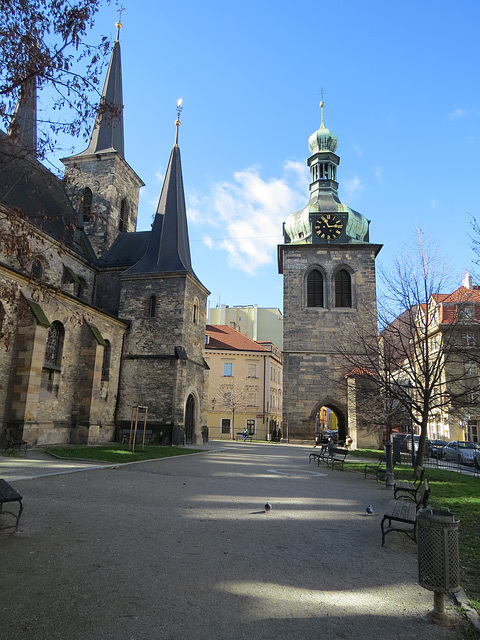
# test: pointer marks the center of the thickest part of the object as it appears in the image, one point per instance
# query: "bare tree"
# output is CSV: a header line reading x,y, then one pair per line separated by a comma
x,y
234,397
421,362
45,42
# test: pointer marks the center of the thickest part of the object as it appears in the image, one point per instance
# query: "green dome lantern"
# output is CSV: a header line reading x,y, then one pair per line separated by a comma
x,y
323,139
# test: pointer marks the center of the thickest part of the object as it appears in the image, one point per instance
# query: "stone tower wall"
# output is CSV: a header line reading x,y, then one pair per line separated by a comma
x,y
152,373
111,180
314,371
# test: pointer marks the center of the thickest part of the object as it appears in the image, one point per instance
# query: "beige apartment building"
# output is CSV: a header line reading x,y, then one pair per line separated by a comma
x,y
257,323
245,385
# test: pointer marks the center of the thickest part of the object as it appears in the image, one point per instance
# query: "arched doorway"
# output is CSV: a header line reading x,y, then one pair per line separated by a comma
x,y
330,422
190,420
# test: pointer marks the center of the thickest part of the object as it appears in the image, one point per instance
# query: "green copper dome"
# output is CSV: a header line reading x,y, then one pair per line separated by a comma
x,y
323,139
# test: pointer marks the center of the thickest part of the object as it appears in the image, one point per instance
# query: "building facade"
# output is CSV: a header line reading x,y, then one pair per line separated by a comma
x,y
96,318
245,385
328,267
257,323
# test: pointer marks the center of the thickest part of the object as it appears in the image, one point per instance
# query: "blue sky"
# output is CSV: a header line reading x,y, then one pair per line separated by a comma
x,y
401,91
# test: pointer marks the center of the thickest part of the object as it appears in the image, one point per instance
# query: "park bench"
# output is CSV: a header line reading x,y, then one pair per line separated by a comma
x,y
239,436
13,443
321,455
149,437
7,495
409,488
378,470
337,455
404,512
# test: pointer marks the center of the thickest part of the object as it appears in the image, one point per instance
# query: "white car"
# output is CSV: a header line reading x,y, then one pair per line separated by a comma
x,y
461,452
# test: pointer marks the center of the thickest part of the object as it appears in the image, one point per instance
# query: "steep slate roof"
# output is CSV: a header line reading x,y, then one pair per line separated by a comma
x,y
224,338
126,250
28,186
107,134
168,249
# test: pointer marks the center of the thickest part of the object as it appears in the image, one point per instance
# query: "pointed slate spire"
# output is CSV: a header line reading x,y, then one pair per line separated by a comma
x,y
168,248
23,128
107,134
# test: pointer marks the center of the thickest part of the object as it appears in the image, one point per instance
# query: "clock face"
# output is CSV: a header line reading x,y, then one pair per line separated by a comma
x,y
328,227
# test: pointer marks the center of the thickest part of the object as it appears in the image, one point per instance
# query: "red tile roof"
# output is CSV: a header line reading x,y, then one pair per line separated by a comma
x,y
224,338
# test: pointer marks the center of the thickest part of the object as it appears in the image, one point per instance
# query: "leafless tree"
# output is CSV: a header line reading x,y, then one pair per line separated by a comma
x,y
421,361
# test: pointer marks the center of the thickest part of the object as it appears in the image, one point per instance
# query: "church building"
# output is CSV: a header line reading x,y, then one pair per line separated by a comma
x,y
328,267
96,318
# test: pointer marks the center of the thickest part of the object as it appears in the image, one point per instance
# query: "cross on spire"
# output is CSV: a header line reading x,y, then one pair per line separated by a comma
x,y
119,23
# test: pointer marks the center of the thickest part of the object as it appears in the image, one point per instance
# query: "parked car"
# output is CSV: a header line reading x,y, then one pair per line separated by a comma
x,y
408,440
477,458
435,448
461,452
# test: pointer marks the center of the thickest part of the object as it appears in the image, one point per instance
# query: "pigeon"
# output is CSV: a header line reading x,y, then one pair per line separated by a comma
x,y
268,507
369,509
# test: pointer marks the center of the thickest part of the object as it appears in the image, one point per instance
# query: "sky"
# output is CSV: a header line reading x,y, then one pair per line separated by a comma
x,y
401,87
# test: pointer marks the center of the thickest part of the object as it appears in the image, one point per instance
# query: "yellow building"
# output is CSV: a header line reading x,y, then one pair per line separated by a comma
x,y
245,385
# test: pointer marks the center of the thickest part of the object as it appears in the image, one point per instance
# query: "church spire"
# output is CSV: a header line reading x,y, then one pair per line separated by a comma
x,y
168,248
23,127
107,134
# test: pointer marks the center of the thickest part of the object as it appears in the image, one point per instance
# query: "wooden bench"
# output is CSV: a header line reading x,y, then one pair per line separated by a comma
x,y
8,494
409,488
378,470
139,436
337,455
13,444
404,512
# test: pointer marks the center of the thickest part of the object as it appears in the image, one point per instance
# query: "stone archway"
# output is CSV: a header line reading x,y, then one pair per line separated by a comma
x,y
341,420
190,419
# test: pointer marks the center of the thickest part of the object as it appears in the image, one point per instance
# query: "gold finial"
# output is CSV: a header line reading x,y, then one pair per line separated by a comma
x,y
177,121
119,23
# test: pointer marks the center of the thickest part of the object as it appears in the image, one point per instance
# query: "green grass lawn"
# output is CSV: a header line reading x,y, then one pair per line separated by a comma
x,y
459,493
117,453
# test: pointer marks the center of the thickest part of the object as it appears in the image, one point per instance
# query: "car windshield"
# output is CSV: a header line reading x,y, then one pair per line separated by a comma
x,y
466,445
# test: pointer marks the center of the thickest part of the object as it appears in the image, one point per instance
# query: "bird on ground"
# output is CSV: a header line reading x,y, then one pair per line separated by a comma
x,y
268,507
369,509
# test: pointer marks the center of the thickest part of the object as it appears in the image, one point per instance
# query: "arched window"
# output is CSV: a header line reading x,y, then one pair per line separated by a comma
x,y
37,269
152,307
87,205
315,289
343,289
122,221
106,361
54,346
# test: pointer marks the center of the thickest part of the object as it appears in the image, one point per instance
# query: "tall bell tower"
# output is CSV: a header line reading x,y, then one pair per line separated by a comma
x,y
328,267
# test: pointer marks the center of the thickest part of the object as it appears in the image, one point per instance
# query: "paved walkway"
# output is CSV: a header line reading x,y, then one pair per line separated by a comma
x,y
181,548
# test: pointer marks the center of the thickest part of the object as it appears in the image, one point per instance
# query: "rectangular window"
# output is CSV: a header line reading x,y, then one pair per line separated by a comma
x,y
227,369
225,425
251,371
251,426
469,339
252,399
471,368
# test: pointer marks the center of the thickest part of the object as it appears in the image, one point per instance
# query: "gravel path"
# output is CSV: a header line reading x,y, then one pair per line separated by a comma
x,y
182,548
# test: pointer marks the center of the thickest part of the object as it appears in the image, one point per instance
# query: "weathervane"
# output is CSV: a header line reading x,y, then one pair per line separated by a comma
x,y
322,104
177,121
119,23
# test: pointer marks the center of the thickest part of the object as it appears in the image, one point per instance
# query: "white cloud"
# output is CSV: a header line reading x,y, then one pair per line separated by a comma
x,y
379,174
458,114
357,149
352,187
245,215
434,203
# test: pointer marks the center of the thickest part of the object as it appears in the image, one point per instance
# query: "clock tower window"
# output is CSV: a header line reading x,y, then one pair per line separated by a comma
x,y
315,289
343,289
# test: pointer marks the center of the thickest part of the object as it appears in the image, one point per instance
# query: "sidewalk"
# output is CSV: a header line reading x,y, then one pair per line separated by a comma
x,y
181,548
